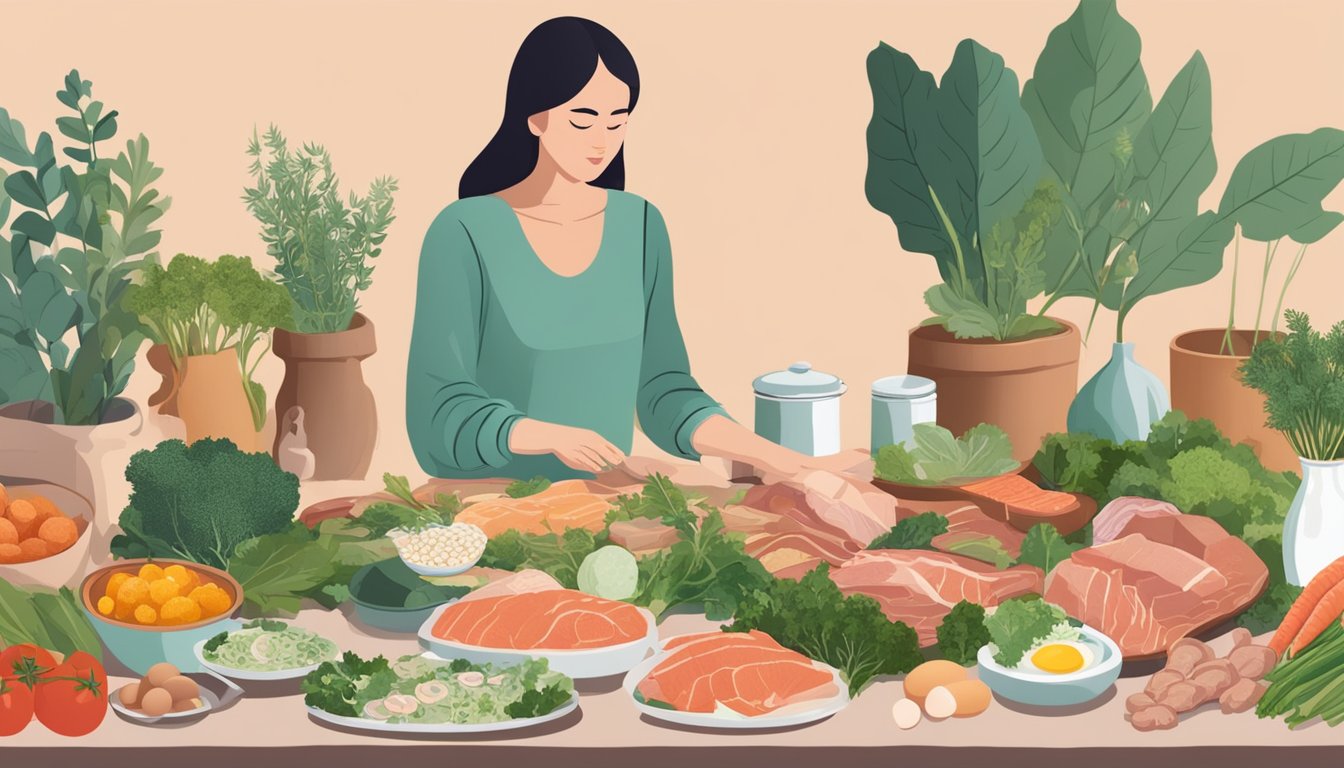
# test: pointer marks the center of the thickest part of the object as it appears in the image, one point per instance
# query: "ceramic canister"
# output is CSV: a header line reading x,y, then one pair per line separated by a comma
x,y
899,403
799,408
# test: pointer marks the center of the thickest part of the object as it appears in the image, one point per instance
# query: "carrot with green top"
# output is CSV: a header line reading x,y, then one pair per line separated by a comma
x,y
1305,605
1328,610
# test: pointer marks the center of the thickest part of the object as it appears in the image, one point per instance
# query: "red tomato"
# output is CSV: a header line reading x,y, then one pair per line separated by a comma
x,y
25,663
72,699
16,707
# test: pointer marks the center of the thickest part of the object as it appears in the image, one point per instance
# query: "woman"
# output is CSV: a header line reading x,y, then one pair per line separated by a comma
x,y
544,318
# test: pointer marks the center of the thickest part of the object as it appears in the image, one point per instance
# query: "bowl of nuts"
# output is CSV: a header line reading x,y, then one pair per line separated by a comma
x,y
440,550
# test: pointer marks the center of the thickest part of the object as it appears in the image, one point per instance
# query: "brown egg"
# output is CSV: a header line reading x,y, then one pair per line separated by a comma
x,y
156,702
159,673
129,695
187,705
181,688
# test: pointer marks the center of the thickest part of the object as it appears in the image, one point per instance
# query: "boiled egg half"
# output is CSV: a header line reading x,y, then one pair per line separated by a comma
x,y
1060,657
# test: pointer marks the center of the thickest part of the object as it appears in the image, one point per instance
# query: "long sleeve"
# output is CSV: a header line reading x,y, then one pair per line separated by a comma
x,y
453,423
670,404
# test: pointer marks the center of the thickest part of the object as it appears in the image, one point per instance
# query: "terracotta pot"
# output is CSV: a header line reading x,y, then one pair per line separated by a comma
x,y
166,396
87,461
1205,384
212,401
1023,387
324,377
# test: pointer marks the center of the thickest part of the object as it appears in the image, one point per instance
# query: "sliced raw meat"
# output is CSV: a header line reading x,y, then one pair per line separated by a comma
x,y
553,619
785,531
831,504
747,672
965,520
642,534
538,514
1108,523
567,487
522,582
919,587
1164,577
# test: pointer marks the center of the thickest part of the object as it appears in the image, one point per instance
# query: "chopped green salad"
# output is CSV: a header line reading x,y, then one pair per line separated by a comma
x,y
268,646
428,690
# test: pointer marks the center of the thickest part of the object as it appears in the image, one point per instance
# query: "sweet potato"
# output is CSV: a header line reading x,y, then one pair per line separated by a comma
x,y
1156,718
33,549
8,533
58,532
1253,661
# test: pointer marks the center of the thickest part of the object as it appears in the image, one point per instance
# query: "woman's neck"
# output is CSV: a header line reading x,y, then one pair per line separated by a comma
x,y
550,191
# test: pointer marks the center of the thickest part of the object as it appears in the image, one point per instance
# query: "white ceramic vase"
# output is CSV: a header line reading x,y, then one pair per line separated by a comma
x,y
1313,533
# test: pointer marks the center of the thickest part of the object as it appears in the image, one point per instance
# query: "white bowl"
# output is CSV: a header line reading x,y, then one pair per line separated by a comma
x,y
427,570
1036,689
580,665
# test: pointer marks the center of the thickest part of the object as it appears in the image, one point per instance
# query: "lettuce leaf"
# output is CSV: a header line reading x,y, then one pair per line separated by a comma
x,y
941,458
1016,625
1045,548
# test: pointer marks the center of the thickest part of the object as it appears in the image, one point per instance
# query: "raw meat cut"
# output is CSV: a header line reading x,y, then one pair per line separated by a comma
x,y
836,505
1163,577
522,582
553,619
920,587
1108,523
965,520
783,530
539,514
642,534
747,672
1023,504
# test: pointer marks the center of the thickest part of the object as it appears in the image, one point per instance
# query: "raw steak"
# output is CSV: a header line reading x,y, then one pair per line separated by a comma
x,y
920,587
1162,577
746,672
1108,523
783,530
965,521
553,619
837,505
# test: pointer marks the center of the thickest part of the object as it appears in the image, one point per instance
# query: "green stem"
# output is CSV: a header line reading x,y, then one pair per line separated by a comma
x,y
1292,272
1271,248
1232,305
956,242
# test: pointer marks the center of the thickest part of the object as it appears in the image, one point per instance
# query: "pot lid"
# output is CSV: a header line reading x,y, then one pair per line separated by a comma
x,y
903,387
799,381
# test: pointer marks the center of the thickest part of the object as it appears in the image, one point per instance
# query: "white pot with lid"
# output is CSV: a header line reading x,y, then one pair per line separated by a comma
x,y
799,408
899,403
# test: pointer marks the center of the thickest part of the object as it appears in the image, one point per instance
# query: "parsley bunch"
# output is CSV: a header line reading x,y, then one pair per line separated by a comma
x,y
1302,379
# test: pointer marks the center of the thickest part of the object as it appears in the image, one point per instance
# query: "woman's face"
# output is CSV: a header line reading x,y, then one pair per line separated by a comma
x,y
583,135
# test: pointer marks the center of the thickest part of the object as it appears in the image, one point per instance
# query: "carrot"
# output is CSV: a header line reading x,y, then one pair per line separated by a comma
x,y
1306,602
1325,612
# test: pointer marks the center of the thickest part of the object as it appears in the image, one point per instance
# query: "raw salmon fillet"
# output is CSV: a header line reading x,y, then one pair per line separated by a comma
x,y
748,672
538,514
554,619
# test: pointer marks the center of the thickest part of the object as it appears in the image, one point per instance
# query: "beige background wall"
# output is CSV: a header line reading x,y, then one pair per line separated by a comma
x,y
749,136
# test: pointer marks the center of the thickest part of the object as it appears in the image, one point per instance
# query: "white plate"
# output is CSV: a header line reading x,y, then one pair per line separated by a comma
x,y
252,674
580,665
214,701
819,711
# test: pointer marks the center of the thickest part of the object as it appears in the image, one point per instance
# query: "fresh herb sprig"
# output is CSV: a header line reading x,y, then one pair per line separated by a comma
x,y
1302,379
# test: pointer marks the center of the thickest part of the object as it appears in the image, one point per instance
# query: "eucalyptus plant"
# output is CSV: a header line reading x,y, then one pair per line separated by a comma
x,y
322,245
82,234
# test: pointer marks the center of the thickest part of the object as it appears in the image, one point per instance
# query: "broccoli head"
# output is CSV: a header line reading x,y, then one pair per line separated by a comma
x,y
199,501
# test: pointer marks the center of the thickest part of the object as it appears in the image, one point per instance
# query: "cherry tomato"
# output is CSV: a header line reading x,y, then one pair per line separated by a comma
x,y
16,707
25,663
72,698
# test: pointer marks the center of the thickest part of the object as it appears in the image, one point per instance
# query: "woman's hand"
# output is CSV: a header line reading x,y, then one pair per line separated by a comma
x,y
723,437
576,448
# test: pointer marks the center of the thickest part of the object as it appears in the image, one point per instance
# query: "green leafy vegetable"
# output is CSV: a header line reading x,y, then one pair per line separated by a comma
x,y
1302,379
199,502
278,570
52,619
1044,548
1266,614
520,488
408,512
985,548
560,555
391,584
915,532
851,633
215,642
962,633
1016,625
940,458
536,703
1308,685
338,686
707,567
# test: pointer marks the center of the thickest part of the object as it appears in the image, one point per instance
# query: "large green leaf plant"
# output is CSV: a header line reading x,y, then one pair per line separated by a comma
x,y
1132,172
79,236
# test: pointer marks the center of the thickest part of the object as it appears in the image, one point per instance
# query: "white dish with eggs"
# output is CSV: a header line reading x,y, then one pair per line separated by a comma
x,y
1057,671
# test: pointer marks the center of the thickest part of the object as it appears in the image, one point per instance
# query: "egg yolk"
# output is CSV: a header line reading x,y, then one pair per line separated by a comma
x,y
1058,659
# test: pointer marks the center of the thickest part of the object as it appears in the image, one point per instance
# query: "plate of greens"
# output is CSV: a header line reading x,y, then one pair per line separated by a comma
x,y
427,694
940,461
265,650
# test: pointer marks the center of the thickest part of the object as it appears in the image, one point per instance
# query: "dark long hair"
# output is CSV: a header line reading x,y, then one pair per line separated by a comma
x,y
554,63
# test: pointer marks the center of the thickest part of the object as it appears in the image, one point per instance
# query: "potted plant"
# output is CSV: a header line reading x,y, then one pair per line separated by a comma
x,y
1301,377
212,316
986,212
1274,194
80,235
322,246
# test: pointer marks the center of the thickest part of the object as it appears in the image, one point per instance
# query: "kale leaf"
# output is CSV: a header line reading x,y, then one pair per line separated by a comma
x,y
915,532
962,633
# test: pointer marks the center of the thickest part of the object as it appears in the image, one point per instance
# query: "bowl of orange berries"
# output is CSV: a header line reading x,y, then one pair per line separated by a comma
x,y
151,611
44,534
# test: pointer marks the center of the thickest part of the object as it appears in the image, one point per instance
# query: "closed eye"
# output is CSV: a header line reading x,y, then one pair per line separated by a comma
x,y
615,127
580,127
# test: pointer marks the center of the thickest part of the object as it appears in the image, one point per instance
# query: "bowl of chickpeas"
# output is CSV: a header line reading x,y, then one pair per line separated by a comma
x,y
153,611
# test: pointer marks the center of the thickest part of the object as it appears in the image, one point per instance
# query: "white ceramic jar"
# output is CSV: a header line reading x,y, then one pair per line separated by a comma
x,y
799,408
899,403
